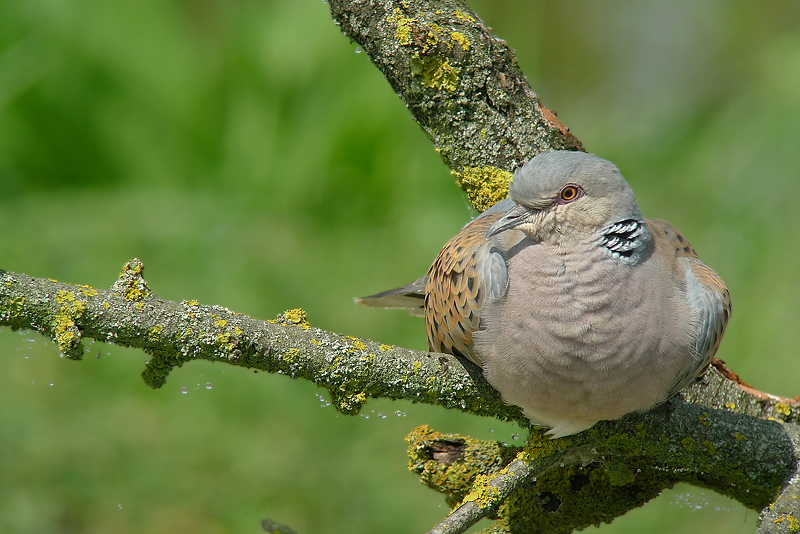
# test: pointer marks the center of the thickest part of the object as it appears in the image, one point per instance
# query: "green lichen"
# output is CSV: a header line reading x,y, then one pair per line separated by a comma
x,y
155,332
457,476
13,306
346,400
485,186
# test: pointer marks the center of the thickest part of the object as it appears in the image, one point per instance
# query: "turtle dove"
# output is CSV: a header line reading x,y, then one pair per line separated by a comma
x,y
577,308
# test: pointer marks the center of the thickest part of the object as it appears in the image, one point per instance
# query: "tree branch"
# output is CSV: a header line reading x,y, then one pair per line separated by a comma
x,y
568,484
351,369
462,85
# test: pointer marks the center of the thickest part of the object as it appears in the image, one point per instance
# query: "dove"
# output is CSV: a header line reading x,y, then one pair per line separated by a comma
x,y
576,307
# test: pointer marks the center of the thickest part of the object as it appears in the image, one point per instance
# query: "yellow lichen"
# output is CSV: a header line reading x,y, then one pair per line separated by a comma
x,y
291,354
297,316
436,72
315,342
220,323
463,16
384,348
63,296
793,523
106,304
403,33
223,341
783,408
485,186
87,290
349,403
730,405
417,367
461,39
482,494
65,331
191,303
135,294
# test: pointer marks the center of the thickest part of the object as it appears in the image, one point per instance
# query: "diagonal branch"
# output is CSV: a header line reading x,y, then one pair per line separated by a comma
x,y
462,85
561,485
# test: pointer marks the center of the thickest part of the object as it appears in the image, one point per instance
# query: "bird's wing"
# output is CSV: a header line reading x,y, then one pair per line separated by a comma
x,y
468,270
706,294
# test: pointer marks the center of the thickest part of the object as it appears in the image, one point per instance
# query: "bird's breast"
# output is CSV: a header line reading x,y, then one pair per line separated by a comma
x,y
579,326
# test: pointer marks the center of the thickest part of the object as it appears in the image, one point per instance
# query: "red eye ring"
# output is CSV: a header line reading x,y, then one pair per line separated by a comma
x,y
569,193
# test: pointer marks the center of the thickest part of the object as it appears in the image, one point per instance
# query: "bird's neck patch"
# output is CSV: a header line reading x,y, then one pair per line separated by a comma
x,y
625,239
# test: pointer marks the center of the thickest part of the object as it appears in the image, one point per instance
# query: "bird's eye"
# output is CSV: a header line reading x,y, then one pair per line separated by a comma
x,y
569,193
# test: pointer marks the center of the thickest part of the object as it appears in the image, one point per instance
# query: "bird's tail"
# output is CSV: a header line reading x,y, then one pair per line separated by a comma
x,y
410,297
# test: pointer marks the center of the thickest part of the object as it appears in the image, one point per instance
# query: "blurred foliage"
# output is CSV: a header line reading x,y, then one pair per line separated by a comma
x,y
253,158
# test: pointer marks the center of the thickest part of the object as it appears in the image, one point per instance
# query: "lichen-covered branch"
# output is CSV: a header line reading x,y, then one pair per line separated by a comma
x,y
723,436
173,333
567,484
462,85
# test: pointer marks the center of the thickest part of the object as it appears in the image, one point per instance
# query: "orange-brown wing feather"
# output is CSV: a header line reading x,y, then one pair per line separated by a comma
x,y
711,298
455,292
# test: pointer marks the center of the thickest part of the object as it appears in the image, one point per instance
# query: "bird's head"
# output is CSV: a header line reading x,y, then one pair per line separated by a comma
x,y
561,195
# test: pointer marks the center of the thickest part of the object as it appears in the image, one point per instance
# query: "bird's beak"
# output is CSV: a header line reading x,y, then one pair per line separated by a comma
x,y
516,216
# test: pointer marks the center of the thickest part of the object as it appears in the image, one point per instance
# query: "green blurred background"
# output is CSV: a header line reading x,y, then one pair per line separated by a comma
x,y
253,158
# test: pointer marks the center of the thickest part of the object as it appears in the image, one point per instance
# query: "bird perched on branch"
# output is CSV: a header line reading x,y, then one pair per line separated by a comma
x,y
577,308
